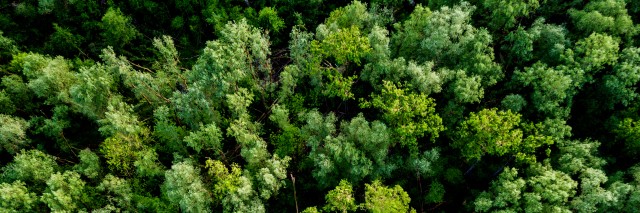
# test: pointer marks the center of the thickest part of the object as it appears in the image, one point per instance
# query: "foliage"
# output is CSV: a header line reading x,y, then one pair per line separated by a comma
x,y
32,166
13,133
411,115
377,106
341,198
64,192
15,197
379,198
184,187
117,29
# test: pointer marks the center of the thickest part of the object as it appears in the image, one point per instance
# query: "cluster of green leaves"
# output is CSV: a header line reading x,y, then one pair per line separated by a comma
x,y
319,106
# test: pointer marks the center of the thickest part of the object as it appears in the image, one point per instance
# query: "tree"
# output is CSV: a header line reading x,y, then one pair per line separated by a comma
x,y
118,191
89,165
358,151
13,133
64,192
96,85
505,13
184,188
117,29
552,89
490,132
447,38
542,190
410,115
341,198
15,197
379,198
605,16
31,166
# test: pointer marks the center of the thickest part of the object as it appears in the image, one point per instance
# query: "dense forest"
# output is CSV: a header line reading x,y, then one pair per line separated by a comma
x,y
319,106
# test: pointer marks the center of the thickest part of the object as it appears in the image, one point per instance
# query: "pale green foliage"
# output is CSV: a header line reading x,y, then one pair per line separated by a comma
x,y
604,16
344,45
32,166
207,138
147,163
552,89
254,148
89,164
226,181
626,195
338,85
312,209
576,156
94,89
467,89
505,13
545,190
592,195
579,158
447,38
265,173
126,135
13,136
243,198
64,192
117,29
154,87
341,198
410,115
120,119
383,68
118,191
15,197
49,78
272,176
358,151
232,62
379,198
352,15
184,187
596,51
490,132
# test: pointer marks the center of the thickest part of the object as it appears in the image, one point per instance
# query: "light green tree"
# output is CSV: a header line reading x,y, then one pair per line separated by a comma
x,y
183,187
15,197
30,166
13,136
411,115
341,199
89,165
379,198
64,192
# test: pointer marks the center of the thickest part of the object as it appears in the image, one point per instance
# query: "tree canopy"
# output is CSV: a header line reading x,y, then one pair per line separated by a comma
x,y
320,106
